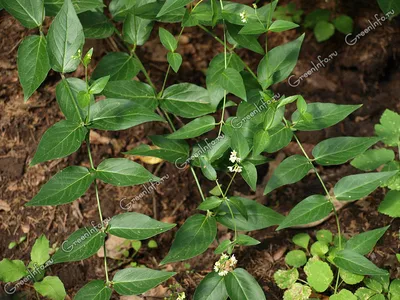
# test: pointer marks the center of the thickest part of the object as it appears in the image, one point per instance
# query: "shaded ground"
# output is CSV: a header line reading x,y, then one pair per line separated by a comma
x,y
365,73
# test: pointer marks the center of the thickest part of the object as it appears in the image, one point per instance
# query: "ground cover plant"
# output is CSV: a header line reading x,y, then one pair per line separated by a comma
x,y
109,99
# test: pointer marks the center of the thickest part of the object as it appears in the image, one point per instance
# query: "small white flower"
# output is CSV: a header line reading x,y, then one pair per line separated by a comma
x,y
225,264
239,169
243,16
181,296
233,156
230,168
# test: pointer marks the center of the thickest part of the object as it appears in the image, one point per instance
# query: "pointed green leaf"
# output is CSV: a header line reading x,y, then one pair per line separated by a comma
x,y
96,25
311,209
212,287
246,41
40,250
119,65
28,12
232,81
279,63
355,187
301,240
171,5
51,287
60,140
258,216
261,141
12,270
363,243
249,174
246,240
80,245
323,115
175,60
210,203
135,226
192,239
94,290
372,159
98,85
282,25
123,172
54,6
64,39
33,63
253,28
167,39
65,187
207,169
323,30
240,285
136,30
337,151
67,91
356,263
279,137
291,170
194,128
120,114
135,281
186,100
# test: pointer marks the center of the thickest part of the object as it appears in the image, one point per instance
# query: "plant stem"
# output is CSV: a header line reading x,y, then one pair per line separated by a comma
x,y
143,69
230,183
198,183
228,205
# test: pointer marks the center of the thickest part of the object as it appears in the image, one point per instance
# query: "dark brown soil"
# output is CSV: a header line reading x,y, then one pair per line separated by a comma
x,y
365,73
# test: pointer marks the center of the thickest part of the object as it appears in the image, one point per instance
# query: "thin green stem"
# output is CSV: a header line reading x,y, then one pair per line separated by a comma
x,y
228,205
143,69
169,120
230,183
198,183
165,80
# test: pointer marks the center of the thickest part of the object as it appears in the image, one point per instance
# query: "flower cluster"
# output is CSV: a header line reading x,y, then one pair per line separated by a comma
x,y
225,264
234,159
243,16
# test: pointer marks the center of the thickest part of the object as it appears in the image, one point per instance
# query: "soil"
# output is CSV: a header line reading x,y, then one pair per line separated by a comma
x,y
365,73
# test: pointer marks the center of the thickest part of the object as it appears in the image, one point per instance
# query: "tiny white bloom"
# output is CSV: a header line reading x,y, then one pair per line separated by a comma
x,y
233,156
225,264
243,16
181,296
239,169
231,169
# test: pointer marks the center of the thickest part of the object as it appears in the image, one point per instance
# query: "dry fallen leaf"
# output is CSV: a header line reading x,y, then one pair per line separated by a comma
x,y
4,206
149,159
115,246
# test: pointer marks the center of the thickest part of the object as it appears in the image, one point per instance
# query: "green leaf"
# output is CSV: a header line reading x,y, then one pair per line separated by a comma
x,y
186,100
28,12
311,209
389,128
67,91
40,250
240,285
192,239
120,114
94,290
123,172
119,65
174,151
246,41
60,140
282,25
344,24
389,7
64,39
238,204
279,137
135,226
136,91
210,203
54,6
343,295
364,293
33,63
298,292
51,287
287,100
96,25
194,128
167,39
260,141
65,187
171,5
12,270
323,30
83,99
258,216
319,249
363,243
355,187
207,169
356,263
224,246
337,151
98,85
319,275
253,28
136,30
232,81
301,239
239,144
249,174
246,240
291,170
350,278
279,63
394,289
175,60
323,115
80,245
324,236
212,287
394,182
373,285
391,204
135,281
286,279
296,258
372,159
316,16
